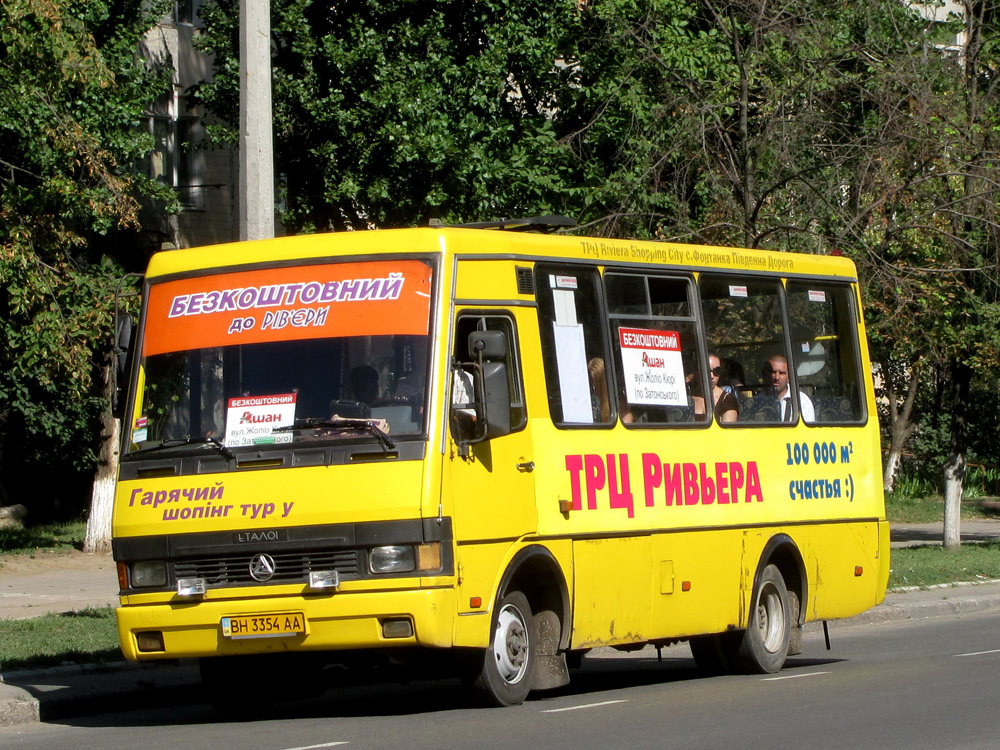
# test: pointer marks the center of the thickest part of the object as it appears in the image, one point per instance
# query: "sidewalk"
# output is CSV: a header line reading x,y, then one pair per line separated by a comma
x,y
33,587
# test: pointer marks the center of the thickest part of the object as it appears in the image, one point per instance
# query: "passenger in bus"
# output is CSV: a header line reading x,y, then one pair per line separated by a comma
x,y
776,372
695,397
463,396
733,376
726,405
600,402
600,399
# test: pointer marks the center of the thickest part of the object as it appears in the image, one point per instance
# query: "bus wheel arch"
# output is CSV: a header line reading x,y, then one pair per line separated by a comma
x,y
534,587
782,552
774,622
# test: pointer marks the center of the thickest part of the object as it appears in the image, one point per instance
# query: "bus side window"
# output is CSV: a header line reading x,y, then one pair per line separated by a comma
x,y
658,360
574,350
745,328
825,349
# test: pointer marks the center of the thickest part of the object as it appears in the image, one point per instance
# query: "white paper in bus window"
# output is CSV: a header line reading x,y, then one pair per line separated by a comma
x,y
817,295
562,282
574,384
653,368
737,291
251,420
564,302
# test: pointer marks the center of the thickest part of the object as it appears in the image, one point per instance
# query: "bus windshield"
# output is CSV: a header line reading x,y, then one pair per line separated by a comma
x,y
273,357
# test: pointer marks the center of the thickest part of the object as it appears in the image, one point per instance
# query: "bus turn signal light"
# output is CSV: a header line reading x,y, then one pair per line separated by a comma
x,y
858,571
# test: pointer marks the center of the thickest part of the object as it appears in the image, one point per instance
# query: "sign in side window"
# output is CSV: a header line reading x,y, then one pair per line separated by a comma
x,y
573,345
288,304
652,367
659,366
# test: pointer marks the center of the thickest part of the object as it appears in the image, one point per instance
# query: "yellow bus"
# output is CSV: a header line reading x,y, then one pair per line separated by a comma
x,y
508,447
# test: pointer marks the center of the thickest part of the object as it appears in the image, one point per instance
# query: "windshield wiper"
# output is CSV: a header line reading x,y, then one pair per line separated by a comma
x,y
176,442
370,425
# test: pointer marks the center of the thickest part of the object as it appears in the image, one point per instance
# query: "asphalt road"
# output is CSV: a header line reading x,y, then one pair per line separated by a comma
x,y
913,684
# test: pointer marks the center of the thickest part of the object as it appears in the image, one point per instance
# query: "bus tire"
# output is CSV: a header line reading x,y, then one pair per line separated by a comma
x,y
765,641
507,669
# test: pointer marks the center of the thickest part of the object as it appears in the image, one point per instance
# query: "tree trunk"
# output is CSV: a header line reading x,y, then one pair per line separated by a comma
x,y
954,470
98,536
954,474
900,426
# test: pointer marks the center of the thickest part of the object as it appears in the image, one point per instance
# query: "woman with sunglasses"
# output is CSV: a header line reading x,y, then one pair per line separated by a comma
x,y
727,407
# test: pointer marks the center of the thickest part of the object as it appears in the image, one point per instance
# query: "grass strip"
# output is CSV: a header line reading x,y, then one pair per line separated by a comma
x,y
52,536
932,565
900,509
86,637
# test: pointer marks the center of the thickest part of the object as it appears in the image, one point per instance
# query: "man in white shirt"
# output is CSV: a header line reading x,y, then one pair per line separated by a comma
x,y
778,366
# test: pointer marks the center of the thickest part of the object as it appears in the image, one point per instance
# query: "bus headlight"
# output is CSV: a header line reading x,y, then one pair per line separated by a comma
x,y
393,558
149,573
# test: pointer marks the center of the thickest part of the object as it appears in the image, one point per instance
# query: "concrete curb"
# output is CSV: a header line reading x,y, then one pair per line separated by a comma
x,y
954,600
17,706
76,689
42,695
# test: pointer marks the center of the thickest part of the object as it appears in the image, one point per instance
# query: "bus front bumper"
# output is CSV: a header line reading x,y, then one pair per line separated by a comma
x,y
339,621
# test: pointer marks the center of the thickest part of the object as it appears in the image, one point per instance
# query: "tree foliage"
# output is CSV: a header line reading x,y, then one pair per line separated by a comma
x,y
73,88
809,125
388,113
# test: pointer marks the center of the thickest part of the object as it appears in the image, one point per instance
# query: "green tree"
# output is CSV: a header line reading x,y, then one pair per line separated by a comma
x,y
827,126
808,125
928,190
72,91
389,113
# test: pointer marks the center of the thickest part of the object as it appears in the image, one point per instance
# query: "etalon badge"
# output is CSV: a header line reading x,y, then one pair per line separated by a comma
x,y
262,567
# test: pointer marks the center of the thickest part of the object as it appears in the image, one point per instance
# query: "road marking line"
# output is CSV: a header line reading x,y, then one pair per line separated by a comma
x,y
586,705
792,676
314,747
981,653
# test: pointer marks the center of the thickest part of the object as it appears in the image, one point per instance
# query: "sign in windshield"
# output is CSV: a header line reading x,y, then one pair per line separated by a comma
x,y
288,304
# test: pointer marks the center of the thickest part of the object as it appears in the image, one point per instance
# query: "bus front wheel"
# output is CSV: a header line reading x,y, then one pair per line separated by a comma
x,y
506,672
765,641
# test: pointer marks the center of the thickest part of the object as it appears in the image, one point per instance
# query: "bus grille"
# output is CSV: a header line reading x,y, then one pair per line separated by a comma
x,y
289,567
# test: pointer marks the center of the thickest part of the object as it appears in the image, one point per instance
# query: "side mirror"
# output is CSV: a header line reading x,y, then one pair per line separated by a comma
x,y
488,350
487,346
122,363
496,399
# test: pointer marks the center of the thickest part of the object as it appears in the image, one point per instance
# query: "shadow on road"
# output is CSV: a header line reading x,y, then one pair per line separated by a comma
x,y
410,696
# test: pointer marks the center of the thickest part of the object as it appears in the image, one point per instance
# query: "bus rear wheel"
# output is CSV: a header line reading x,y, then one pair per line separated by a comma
x,y
506,672
765,641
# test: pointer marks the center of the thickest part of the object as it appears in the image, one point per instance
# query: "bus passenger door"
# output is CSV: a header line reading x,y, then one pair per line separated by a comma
x,y
489,478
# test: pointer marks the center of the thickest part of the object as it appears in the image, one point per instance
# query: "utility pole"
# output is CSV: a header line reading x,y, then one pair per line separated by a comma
x,y
256,180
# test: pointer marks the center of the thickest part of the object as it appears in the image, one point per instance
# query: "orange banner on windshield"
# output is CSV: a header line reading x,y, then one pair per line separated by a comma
x,y
286,304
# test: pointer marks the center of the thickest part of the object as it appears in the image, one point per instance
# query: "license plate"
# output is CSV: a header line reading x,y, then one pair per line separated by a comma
x,y
264,626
